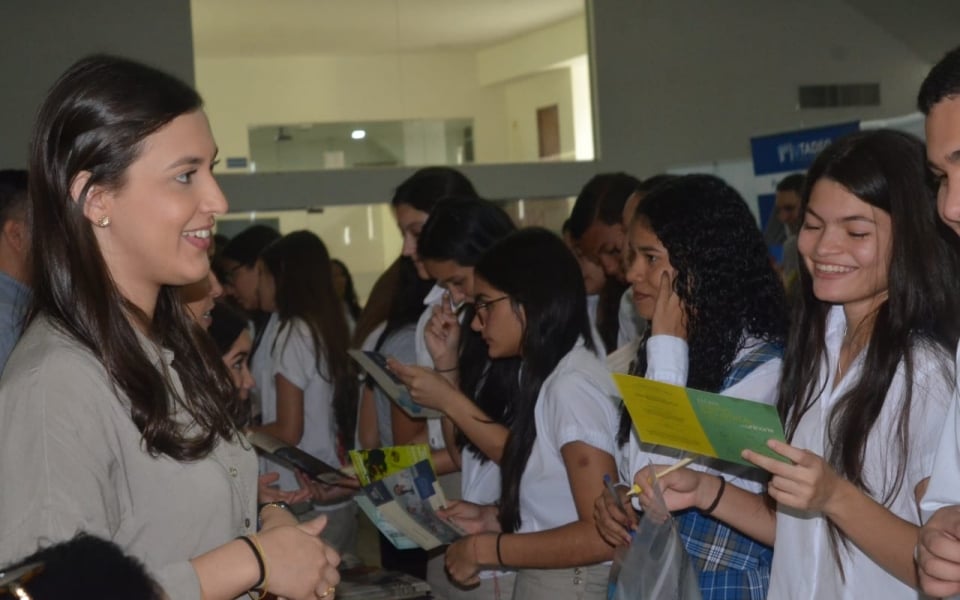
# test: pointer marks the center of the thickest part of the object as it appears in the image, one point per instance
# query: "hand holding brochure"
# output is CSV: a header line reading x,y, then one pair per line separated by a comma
x,y
409,499
375,364
699,422
375,464
295,458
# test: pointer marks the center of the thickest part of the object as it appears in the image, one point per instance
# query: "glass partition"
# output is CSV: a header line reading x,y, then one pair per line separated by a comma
x,y
294,86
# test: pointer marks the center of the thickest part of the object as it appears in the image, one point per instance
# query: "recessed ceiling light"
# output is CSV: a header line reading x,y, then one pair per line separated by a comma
x,y
358,134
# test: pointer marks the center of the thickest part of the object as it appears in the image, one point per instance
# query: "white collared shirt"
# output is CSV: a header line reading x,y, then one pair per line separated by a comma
x,y
803,562
944,488
289,351
576,404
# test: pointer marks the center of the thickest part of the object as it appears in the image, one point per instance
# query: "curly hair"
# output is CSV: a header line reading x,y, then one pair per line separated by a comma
x,y
724,276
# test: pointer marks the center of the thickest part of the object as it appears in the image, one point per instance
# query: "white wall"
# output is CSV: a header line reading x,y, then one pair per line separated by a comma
x,y
523,98
241,92
499,87
535,51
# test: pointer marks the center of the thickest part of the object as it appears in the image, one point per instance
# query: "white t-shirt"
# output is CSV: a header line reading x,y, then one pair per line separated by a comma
x,y
576,404
803,563
479,482
668,361
944,488
289,352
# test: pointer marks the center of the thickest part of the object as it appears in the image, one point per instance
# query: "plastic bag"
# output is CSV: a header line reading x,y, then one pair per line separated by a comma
x,y
655,565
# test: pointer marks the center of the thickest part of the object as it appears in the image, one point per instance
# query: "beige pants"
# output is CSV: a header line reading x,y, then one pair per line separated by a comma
x,y
580,583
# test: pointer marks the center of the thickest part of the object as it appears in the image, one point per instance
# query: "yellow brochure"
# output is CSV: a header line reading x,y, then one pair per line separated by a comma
x,y
699,422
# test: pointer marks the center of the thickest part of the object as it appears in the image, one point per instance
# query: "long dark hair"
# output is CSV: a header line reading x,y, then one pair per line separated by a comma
x,y
428,185
536,269
886,169
608,312
461,230
349,292
724,277
300,266
406,300
95,120
226,326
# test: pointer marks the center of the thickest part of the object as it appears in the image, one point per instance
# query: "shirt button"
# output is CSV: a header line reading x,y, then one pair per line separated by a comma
x,y
234,472
246,523
576,581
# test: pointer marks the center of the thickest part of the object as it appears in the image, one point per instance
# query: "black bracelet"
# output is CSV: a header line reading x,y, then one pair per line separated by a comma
x,y
256,554
716,501
450,370
499,558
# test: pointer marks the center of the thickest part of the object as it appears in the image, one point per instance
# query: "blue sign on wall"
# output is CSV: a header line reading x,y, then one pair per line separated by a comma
x,y
794,150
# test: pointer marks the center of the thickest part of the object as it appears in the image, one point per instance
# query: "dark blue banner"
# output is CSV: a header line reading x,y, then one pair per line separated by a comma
x,y
794,150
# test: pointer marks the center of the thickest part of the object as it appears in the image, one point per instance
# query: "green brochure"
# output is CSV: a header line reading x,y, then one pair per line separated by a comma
x,y
699,422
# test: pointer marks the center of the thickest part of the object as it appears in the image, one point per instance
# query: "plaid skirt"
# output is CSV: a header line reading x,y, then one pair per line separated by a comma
x,y
731,566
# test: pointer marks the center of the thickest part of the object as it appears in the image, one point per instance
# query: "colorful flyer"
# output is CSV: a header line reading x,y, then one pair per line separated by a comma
x,y
699,422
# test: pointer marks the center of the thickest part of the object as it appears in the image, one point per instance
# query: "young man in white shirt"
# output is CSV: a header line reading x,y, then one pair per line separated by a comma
x,y
938,550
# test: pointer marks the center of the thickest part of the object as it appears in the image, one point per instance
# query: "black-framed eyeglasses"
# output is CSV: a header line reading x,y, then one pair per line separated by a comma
x,y
482,306
13,580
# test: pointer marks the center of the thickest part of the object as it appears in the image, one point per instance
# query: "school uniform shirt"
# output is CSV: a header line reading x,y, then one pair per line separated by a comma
x,y
289,351
480,484
433,298
576,404
399,345
944,487
72,460
668,362
803,563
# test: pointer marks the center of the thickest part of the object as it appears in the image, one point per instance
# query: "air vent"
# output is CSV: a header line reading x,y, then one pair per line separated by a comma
x,y
839,95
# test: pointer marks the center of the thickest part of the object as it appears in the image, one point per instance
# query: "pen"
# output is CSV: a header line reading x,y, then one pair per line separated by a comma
x,y
608,481
637,490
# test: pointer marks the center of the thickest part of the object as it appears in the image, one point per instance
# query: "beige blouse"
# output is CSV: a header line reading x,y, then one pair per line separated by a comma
x,y
71,460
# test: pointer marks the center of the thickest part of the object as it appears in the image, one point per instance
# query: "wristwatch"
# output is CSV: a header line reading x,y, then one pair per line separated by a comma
x,y
263,505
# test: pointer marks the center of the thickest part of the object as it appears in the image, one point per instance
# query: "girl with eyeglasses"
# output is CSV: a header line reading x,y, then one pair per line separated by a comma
x,y
466,382
560,442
